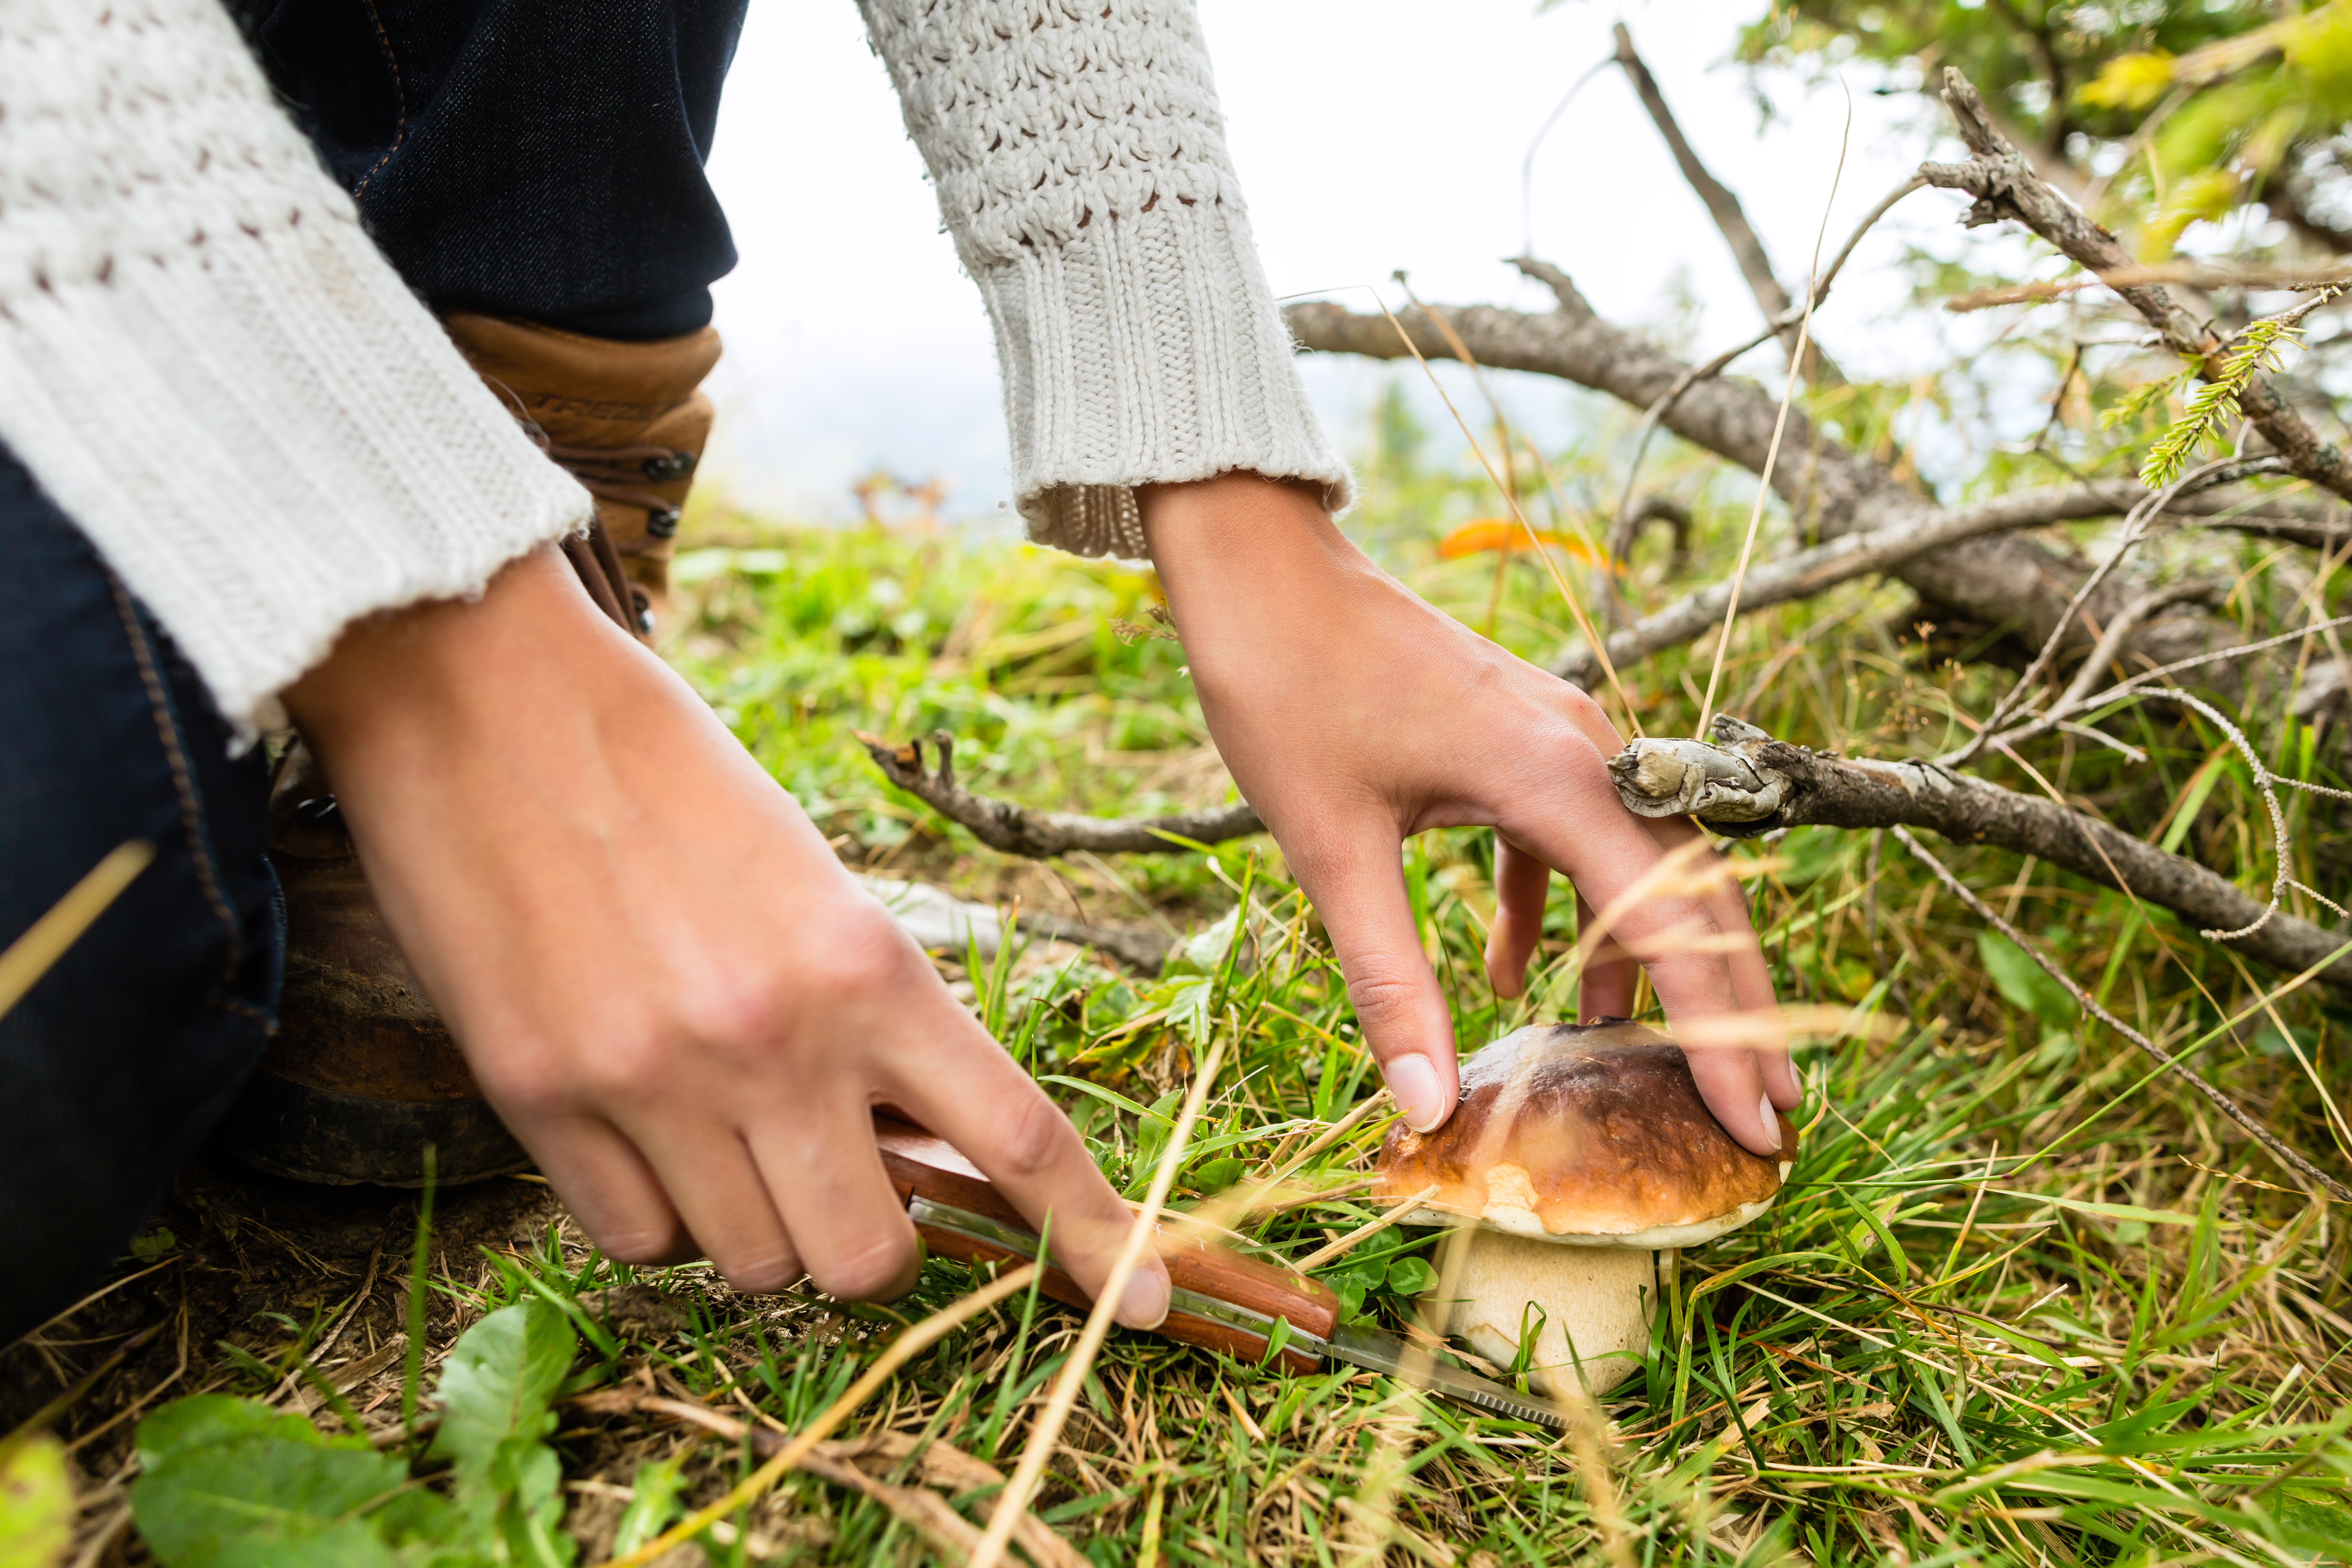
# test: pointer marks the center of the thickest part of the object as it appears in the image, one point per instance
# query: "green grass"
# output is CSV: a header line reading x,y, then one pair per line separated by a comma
x,y
2019,1303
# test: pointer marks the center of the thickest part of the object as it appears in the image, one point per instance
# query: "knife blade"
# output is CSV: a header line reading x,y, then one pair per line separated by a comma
x,y
1218,1298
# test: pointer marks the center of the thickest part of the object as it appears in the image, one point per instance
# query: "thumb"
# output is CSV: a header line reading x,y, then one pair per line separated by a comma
x,y
1359,892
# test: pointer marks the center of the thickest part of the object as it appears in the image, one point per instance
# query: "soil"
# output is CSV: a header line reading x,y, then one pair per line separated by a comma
x,y
244,1253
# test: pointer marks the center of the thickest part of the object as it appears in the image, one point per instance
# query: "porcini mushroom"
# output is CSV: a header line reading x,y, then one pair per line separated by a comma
x,y
1578,1154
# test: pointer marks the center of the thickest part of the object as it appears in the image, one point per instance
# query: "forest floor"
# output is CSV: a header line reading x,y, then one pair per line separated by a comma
x,y
2021,1301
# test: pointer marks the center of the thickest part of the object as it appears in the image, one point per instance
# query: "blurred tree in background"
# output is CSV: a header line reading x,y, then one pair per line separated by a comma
x,y
2153,114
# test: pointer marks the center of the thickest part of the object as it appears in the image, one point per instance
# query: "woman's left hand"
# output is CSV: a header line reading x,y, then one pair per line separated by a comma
x,y
1353,715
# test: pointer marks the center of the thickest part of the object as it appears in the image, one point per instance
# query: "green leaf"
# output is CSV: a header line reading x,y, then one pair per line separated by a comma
x,y
1188,1008
2316,1525
1215,1175
229,1482
36,1503
1201,953
1411,1276
496,1397
2024,983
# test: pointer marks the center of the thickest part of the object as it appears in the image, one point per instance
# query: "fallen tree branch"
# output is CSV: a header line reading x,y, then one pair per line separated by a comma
x,y
1041,835
2320,1184
1814,571
1991,579
1746,784
2007,188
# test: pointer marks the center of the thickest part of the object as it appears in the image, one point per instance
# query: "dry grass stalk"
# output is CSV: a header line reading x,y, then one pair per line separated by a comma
x,y
1047,1430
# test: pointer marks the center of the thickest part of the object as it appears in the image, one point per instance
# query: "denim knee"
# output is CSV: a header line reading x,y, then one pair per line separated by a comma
x,y
120,1059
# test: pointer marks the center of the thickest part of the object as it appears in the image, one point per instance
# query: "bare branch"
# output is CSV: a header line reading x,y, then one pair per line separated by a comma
x,y
1748,783
1996,581
2007,188
1814,571
2137,523
1730,218
1040,835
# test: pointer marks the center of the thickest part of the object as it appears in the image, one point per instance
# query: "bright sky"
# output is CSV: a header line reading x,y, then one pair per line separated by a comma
x,y
1369,135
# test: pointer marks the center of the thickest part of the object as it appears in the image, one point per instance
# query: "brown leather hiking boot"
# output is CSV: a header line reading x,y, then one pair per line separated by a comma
x,y
362,1075
628,420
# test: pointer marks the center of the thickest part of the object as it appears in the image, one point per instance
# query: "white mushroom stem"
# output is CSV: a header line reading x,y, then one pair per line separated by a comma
x,y
1597,1299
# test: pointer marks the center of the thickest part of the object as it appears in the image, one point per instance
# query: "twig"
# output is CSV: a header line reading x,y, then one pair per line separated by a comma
x,y
1040,835
2111,642
2321,1183
1723,206
1748,783
2007,188
2137,525
1621,530
1823,566
2286,279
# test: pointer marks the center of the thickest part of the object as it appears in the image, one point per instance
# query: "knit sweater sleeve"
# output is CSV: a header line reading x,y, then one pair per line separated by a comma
x,y
1080,162
206,363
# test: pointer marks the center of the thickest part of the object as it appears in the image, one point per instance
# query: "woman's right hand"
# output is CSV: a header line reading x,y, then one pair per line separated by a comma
x,y
672,992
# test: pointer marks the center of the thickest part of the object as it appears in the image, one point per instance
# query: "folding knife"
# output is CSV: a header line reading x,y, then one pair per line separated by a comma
x,y
1221,1300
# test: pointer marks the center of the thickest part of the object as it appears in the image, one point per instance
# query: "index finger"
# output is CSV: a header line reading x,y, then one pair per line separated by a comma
x,y
960,1084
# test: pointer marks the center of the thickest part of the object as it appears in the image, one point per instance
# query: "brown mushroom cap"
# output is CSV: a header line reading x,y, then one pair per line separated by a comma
x,y
1594,1134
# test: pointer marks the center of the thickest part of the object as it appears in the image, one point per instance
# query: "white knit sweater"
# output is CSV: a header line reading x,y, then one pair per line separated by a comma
x,y
1081,167
206,363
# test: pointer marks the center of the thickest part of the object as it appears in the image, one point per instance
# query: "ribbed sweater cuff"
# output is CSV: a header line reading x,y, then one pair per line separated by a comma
x,y
268,437
1147,351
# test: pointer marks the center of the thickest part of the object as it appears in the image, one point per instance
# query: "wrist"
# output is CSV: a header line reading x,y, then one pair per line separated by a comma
x,y
1240,554
531,632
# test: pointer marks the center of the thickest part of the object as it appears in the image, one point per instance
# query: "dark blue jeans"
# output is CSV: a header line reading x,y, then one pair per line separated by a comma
x,y
538,159
122,1057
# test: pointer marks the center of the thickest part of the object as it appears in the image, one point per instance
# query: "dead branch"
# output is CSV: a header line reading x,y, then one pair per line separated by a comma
x,y
2320,1184
1746,784
2007,189
1814,571
1986,577
2266,276
1041,835
1723,206
1653,509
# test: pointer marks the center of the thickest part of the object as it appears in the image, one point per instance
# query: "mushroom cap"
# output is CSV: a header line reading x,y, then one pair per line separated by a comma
x,y
1590,1134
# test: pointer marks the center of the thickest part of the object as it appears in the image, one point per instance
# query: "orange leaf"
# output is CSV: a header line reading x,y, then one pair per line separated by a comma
x,y
1490,534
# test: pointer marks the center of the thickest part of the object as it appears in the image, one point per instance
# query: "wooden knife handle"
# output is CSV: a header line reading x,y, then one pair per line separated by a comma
x,y
920,1165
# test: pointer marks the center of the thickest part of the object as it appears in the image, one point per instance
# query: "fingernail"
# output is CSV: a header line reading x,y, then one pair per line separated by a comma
x,y
1414,1082
1771,1120
1144,1303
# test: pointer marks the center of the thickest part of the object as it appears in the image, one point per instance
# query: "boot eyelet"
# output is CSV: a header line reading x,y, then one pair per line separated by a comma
x,y
662,522
670,465
318,811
